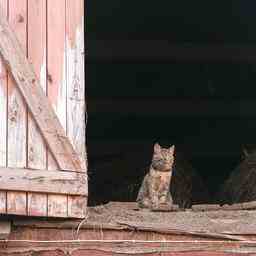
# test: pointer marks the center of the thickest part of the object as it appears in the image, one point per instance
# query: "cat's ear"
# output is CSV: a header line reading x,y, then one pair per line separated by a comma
x,y
172,149
157,148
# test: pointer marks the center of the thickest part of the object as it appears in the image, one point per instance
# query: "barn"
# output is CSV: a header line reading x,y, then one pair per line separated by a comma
x,y
75,143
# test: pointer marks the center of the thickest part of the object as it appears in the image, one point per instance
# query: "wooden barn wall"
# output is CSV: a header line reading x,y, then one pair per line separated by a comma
x,y
52,36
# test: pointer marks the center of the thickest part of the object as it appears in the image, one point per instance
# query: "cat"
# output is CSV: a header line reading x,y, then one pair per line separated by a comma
x,y
154,190
173,181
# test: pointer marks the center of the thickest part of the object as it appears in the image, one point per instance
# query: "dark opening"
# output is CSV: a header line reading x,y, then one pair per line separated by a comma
x,y
170,74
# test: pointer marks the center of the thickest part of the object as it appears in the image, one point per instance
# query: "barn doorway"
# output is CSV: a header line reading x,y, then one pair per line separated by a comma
x,y
183,83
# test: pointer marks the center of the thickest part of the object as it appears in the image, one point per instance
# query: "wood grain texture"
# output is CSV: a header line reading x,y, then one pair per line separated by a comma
x,y
37,56
38,104
77,206
56,65
57,206
3,102
17,111
76,93
2,202
76,77
3,116
37,204
58,182
127,247
17,203
37,158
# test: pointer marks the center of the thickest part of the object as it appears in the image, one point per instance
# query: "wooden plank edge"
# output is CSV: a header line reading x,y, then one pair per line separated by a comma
x,y
43,181
226,207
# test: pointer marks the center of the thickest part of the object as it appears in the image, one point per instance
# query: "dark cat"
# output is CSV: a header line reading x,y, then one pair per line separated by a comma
x,y
241,184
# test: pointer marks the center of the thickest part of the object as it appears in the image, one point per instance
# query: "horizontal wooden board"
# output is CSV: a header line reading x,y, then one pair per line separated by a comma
x,y
56,182
118,247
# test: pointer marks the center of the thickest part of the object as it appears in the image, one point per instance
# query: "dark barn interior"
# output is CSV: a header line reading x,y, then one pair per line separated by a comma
x,y
177,72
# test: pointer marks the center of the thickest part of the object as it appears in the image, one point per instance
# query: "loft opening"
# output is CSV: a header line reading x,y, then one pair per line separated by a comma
x,y
177,73
205,109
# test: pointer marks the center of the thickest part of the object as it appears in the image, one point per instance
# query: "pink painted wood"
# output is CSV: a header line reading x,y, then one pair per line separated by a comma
x,y
17,111
51,34
3,116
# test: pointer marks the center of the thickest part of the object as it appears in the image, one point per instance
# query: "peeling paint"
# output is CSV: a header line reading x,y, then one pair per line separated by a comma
x,y
3,113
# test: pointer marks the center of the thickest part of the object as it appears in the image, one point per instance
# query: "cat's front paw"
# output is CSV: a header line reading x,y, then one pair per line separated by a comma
x,y
155,206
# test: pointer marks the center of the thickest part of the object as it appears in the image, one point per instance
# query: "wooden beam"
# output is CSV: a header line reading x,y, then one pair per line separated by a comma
x,y
45,117
136,247
56,182
165,50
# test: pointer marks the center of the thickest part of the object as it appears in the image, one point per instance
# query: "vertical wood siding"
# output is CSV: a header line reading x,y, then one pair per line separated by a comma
x,y
17,111
52,36
3,115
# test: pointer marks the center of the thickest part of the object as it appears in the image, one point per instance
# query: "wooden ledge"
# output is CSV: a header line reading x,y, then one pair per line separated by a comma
x,y
43,181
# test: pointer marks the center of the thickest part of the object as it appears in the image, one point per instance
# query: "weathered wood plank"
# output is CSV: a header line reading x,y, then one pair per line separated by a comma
x,y
37,204
37,158
75,76
2,202
162,229
57,206
3,105
58,182
76,92
77,206
37,56
38,104
57,87
17,203
17,111
120,247
56,67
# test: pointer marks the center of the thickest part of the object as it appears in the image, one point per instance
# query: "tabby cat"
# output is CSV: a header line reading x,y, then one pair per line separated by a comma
x,y
155,187
171,179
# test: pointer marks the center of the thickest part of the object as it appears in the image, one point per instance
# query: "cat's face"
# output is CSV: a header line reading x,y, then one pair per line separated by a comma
x,y
163,158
